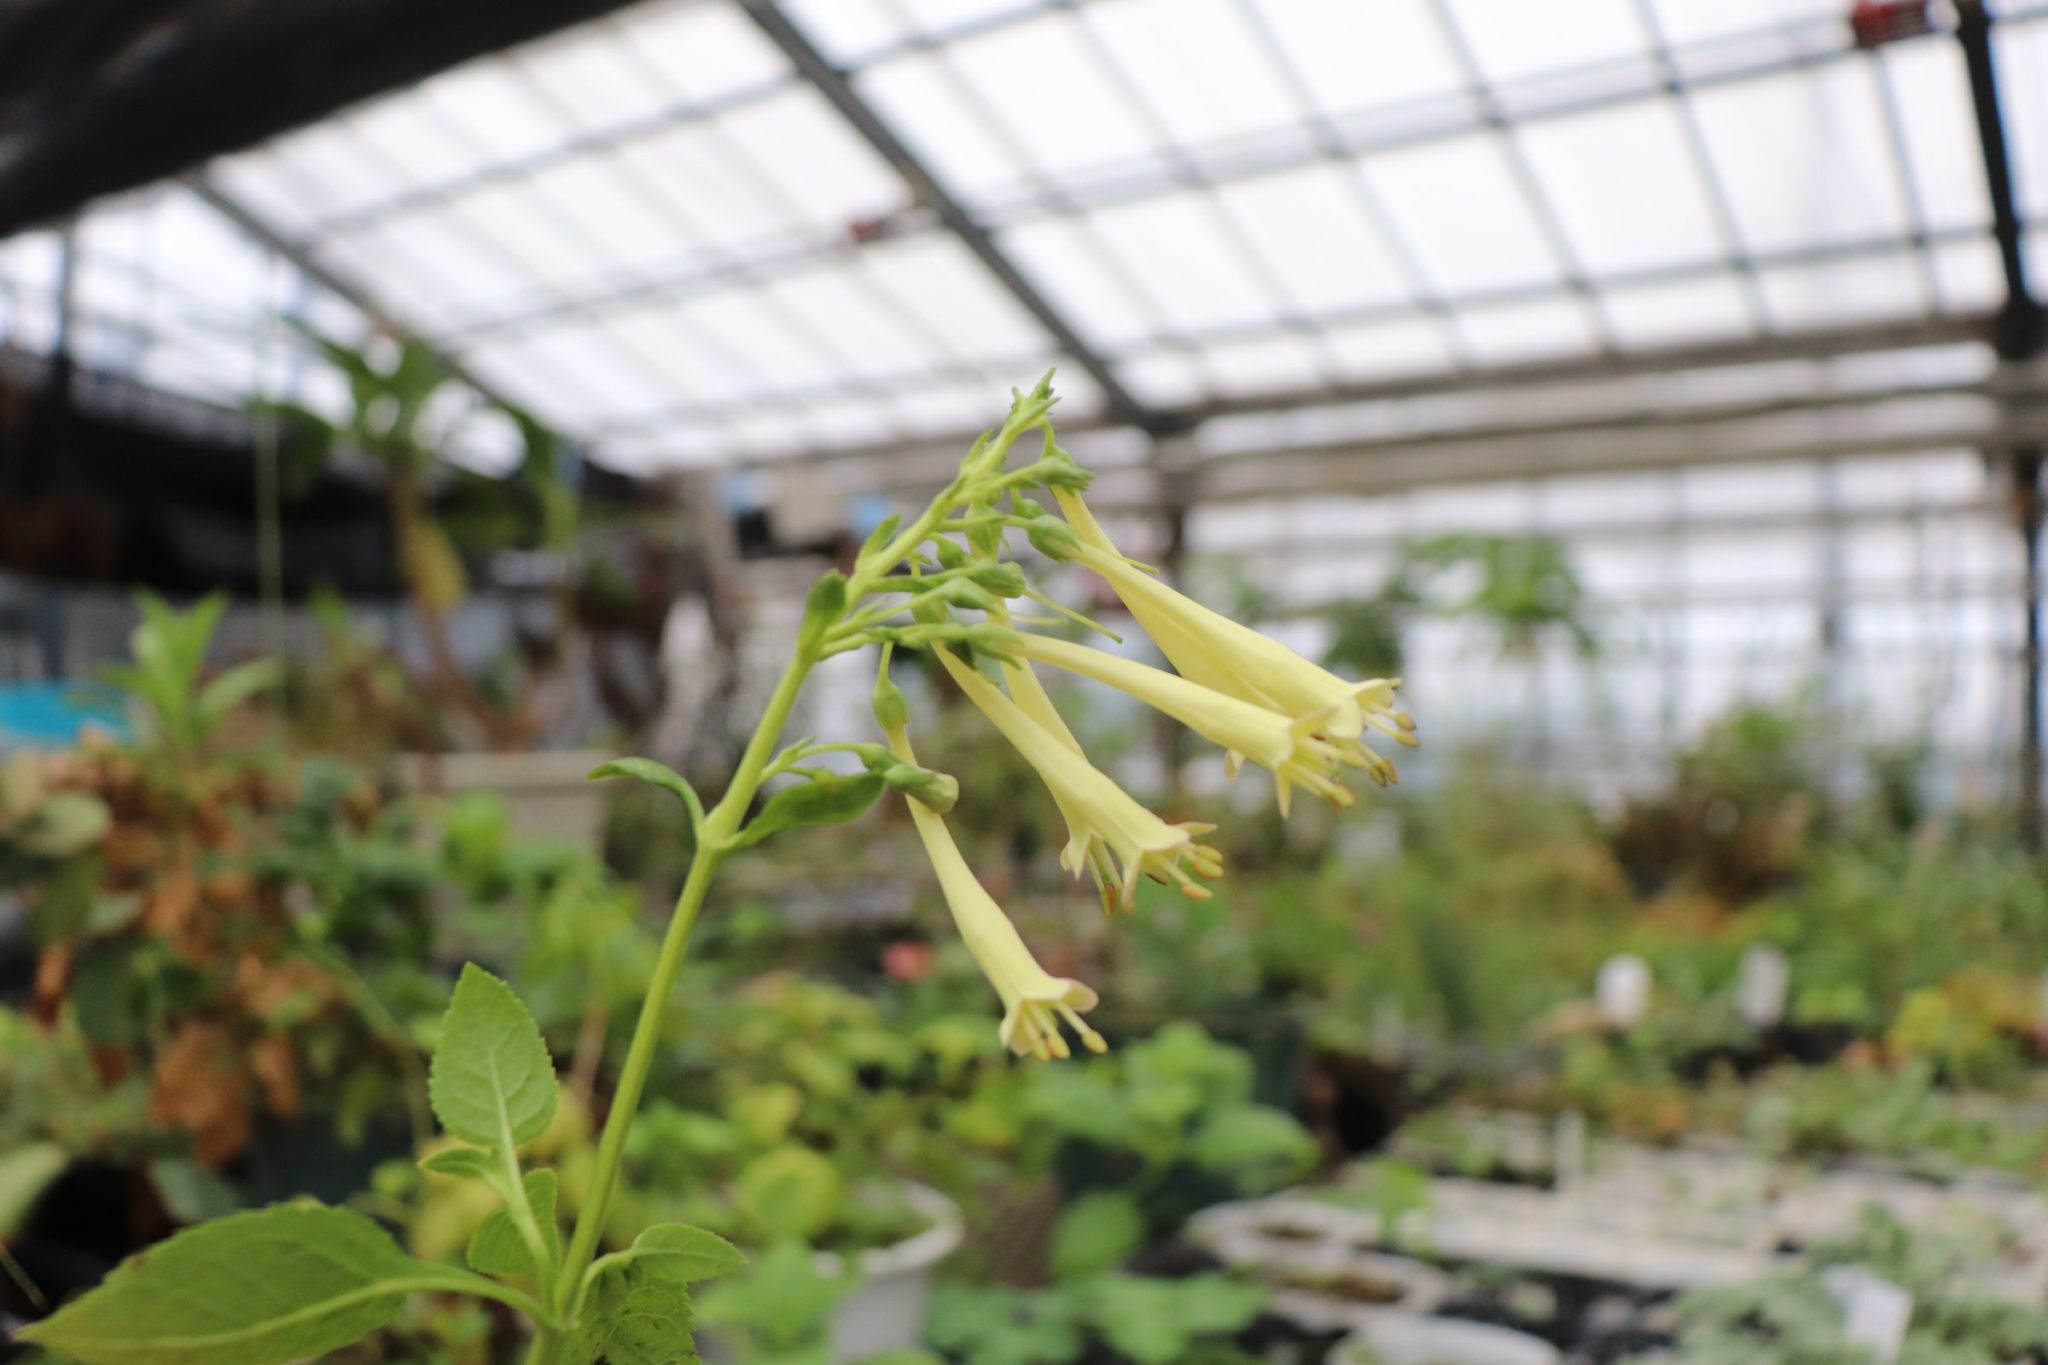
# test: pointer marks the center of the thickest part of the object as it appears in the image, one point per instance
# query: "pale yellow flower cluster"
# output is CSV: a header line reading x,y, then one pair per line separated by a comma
x,y
1252,696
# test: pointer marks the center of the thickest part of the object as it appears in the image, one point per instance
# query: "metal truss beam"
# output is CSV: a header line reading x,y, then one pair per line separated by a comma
x,y
838,90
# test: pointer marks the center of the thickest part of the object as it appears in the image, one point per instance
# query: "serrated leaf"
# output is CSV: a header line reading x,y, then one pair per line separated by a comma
x,y
1096,1232
263,1288
492,1082
677,1251
635,1317
496,1248
463,1163
825,799
660,775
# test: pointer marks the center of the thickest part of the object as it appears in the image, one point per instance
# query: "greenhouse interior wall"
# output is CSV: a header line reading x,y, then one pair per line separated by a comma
x,y
1465,577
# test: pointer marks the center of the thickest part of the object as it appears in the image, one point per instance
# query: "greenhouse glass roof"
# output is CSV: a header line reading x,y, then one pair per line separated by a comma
x,y
719,232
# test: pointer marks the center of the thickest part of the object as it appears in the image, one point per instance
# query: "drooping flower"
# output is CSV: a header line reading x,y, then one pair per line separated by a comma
x,y
1035,1002
1109,833
1209,648
1285,746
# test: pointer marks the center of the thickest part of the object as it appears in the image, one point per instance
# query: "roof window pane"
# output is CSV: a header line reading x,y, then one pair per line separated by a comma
x,y
1676,311
1357,56
1200,66
1275,364
848,30
1837,292
593,77
1163,378
936,279
918,96
1088,123
823,171
1097,298
494,112
1457,206
1512,38
1175,249
1503,334
1312,232
1803,157
1940,129
704,52
1381,350
1623,185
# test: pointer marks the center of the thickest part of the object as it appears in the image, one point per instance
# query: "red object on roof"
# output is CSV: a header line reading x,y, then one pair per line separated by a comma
x,y
1887,21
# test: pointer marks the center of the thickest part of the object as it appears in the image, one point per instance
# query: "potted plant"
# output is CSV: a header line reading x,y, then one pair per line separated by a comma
x,y
403,416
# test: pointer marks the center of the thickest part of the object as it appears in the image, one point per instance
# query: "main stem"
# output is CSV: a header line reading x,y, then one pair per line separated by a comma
x,y
719,826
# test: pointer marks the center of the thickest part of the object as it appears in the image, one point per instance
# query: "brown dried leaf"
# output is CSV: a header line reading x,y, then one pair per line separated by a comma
x,y
202,1084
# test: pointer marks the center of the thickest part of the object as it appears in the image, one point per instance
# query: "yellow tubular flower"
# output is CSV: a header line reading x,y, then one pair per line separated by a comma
x,y
1034,1000
1286,747
1103,820
1219,653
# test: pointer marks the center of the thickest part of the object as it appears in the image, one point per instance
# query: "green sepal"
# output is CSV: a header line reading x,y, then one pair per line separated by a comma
x,y
821,799
824,606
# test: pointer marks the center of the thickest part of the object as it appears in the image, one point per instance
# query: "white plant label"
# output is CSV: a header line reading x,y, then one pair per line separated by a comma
x,y
1568,1148
1761,986
1875,1312
1622,990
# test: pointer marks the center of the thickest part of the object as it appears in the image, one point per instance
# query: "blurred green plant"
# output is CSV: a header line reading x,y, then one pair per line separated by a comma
x,y
1146,1321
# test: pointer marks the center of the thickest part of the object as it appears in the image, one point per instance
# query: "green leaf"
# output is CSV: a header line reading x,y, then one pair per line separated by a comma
x,y
235,686
65,904
263,1288
496,1248
661,775
192,1193
113,992
463,1163
679,1252
824,799
1258,1147
1155,1322
1097,1232
62,824
636,1316
492,1082
791,1192
989,1326
24,1173
784,1302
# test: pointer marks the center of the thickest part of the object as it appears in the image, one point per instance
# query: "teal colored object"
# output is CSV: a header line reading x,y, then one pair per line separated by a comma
x,y
53,715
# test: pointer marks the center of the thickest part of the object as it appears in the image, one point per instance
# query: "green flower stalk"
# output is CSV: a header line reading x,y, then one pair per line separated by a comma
x,y
280,1284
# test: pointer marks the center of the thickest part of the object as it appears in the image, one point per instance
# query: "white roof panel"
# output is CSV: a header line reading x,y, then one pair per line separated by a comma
x,y
1804,158
1222,198
1457,205
1624,187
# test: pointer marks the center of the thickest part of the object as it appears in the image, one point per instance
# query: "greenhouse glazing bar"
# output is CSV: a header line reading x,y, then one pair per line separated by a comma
x,y
2020,335
833,85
